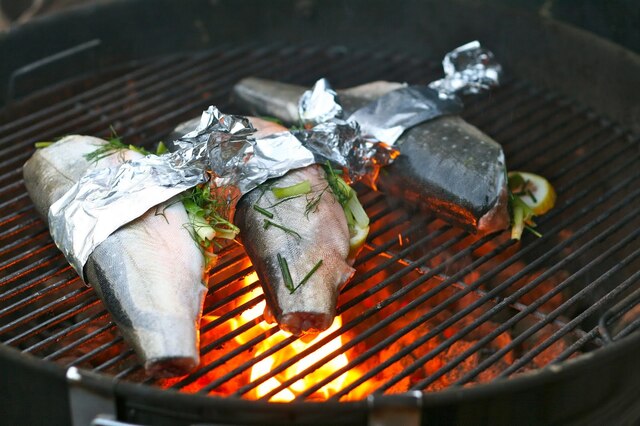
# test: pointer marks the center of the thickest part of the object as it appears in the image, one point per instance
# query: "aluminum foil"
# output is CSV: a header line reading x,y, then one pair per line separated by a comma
x,y
468,69
386,118
221,148
319,104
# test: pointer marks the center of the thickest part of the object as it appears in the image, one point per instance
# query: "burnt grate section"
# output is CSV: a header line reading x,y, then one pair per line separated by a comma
x,y
431,306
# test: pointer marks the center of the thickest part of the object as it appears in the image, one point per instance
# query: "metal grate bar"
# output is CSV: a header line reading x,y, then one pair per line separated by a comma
x,y
58,108
522,252
89,122
555,313
633,279
69,298
121,357
81,340
102,315
347,326
86,357
366,314
222,86
114,92
503,303
33,282
33,297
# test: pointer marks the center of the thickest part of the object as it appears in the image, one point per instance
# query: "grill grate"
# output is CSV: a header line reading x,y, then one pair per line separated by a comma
x,y
430,307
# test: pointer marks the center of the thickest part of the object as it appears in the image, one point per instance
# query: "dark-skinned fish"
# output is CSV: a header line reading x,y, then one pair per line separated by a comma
x,y
446,165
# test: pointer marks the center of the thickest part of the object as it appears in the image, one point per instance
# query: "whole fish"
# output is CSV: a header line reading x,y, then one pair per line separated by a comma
x,y
148,273
312,236
446,165
315,247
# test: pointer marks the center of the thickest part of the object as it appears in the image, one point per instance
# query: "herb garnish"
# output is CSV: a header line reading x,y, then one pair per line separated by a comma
x,y
529,195
40,145
309,274
297,189
208,209
259,209
268,223
286,274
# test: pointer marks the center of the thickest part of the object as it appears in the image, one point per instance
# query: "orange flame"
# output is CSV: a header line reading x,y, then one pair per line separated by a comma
x,y
265,366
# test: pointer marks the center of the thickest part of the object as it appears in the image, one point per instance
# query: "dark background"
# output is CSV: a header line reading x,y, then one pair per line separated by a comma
x,y
616,20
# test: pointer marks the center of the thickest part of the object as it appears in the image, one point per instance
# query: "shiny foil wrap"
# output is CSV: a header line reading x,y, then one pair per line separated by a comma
x,y
319,104
221,147
468,69
386,118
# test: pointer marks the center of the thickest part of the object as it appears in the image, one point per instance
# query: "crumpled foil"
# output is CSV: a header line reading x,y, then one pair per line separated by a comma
x,y
319,104
386,118
222,146
468,69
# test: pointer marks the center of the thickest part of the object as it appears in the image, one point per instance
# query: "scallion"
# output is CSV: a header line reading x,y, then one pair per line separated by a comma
x,y
308,276
259,209
300,188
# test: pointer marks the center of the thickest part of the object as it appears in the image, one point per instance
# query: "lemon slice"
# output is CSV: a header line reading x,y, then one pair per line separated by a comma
x,y
534,190
356,242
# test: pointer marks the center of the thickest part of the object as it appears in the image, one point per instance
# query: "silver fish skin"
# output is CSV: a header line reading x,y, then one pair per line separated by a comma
x,y
322,235
148,273
446,165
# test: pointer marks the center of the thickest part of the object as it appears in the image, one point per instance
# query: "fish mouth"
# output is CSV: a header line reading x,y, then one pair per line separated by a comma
x,y
171,367
305,323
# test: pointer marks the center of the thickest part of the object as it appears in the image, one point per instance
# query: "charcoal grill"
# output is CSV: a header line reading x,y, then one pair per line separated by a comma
x,y
491,331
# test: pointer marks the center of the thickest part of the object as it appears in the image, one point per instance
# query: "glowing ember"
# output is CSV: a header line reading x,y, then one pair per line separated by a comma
x,y
265,366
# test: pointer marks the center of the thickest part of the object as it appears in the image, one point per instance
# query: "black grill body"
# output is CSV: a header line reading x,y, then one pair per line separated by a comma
x,y
566,109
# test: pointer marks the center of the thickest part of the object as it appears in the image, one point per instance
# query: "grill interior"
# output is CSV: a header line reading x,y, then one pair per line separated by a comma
x,y
431,306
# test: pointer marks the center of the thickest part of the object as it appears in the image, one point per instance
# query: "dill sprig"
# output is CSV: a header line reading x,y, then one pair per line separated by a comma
x,y
114,144
339,187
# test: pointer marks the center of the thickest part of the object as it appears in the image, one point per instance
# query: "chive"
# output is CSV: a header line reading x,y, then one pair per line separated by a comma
x,y
39,145
308,276
533,231
263,211
161,149
530,194
268,223
300,188
286,275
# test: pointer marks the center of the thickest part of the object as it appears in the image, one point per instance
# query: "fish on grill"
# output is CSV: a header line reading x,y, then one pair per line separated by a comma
x,y
315,247
320,236
446,165
148,273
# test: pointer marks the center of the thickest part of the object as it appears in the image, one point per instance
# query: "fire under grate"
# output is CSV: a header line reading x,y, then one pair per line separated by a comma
x,y
431,306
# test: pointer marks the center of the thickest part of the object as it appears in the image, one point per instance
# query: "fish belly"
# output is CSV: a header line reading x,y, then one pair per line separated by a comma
x,y
148,273
318,235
